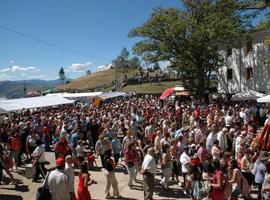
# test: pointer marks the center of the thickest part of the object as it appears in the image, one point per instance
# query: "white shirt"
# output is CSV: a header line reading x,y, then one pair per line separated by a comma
x,y
228,121
58,184
39,151
184,159
149,164
127,140
222,141
210,141
79,151
69,171
165,141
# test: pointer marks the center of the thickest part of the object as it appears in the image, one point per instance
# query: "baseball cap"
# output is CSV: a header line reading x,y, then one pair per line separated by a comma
x,y
60,161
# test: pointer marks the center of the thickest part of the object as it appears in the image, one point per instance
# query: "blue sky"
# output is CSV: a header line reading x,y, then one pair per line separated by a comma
x,y
96,28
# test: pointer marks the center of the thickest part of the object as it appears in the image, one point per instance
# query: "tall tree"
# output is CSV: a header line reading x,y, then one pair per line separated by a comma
x,y
123,62
62,75
188,38
134,62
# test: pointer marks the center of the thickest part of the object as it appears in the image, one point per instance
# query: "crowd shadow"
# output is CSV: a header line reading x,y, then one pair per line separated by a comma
x,y
20,188
168,193
10,197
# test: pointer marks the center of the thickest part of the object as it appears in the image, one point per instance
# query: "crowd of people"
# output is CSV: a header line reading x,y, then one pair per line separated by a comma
x,y
207,151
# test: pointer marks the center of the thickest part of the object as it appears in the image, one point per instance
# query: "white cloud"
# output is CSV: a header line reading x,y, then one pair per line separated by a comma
x,y
78,67
4,77
11,62
17,68
88,63
5,70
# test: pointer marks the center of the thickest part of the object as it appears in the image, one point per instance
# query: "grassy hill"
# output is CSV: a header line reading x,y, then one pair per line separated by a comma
x,y
150,88
99,80
102,81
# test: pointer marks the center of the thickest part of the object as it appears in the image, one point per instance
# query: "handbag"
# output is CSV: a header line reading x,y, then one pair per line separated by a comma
x,y
43,192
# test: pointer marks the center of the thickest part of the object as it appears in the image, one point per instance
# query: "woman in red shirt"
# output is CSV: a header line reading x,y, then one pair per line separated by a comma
x,y
217,183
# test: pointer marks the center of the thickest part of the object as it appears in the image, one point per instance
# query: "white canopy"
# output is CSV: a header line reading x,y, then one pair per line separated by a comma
x,y
110,95
75,95
248,95
32,102
265,99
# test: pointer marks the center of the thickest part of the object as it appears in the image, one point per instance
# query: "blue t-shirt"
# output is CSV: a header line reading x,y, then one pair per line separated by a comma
x,y
73,140
116,146
260,171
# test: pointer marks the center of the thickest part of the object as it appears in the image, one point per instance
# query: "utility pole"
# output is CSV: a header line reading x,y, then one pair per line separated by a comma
x,y
115,69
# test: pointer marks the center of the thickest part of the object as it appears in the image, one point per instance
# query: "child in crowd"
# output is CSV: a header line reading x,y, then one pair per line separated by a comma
x,y
80,152
91,159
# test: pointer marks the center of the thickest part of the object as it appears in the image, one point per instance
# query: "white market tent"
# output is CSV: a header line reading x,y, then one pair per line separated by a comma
x,y
32,102
265,99
75,95
110,95
248,95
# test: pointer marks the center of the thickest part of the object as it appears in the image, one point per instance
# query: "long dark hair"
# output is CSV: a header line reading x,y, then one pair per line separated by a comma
x,y
84,168
216,164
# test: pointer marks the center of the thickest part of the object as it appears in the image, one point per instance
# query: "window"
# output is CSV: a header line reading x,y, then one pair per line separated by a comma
x,y
229,74
249,73
249,47
229,51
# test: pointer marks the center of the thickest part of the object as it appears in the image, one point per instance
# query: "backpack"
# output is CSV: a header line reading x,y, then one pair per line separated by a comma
x,y
43,192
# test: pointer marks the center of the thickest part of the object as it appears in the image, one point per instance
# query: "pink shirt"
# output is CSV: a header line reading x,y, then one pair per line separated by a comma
x,y
202,152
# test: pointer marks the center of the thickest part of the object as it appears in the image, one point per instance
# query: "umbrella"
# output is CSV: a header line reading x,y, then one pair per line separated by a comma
x,y
248,95
166,93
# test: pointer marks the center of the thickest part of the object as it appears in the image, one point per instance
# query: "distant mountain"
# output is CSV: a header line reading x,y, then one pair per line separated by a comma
x,y
15,89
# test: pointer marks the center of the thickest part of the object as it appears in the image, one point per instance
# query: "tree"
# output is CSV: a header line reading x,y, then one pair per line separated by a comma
x,y
123,62
62,75
188,38
88,72
156,67
134,62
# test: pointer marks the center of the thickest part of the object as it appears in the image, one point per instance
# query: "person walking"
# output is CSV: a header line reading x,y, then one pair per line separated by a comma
x,y
131,157
217,182
84,181
69,171
260,169
58,181
148,171
165,166
39,161
110,166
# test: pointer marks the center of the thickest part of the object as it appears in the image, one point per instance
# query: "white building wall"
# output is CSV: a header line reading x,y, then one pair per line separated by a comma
x,y
240,60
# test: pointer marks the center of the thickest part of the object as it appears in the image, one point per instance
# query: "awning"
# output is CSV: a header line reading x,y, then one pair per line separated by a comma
x,y
32,102
183,93
248,95
75,95
110,95
265,99
166,93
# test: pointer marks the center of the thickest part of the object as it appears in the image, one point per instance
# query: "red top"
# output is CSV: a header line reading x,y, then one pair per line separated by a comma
x,y
82,192
217,192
